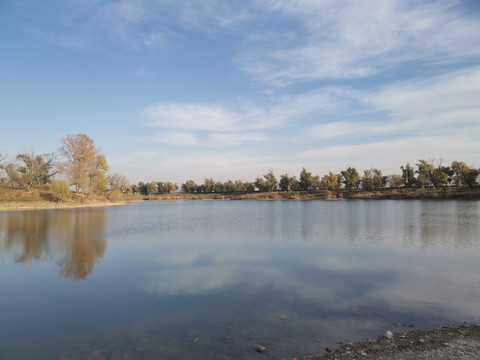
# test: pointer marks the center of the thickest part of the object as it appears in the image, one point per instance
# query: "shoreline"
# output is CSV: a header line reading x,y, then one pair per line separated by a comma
x,y
48,205
383,194
446,342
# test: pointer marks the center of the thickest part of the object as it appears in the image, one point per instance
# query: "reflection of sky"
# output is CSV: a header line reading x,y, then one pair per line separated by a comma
x,y
294,273
341,255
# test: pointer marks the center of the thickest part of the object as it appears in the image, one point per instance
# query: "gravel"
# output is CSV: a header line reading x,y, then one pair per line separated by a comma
x,y
450,343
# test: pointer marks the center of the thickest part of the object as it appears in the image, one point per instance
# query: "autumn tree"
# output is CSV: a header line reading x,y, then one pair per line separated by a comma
x,y
84,165
367,180
464,175
396,180
118,182
329,182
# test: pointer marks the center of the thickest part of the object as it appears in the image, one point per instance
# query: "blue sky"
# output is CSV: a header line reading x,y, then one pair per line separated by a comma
x,y
177,90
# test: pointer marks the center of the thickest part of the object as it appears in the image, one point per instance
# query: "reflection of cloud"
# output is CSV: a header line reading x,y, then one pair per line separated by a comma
x,y
188,281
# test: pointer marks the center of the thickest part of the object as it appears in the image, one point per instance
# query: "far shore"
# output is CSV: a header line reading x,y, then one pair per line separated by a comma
x,y
382,194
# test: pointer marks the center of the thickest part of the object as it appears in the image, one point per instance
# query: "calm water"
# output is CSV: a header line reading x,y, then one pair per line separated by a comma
x,y
211,280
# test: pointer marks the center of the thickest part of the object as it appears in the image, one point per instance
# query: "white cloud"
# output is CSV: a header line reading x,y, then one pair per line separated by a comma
x,y
445,105
243,115
191,117
351,39
450,92
177,138
233,139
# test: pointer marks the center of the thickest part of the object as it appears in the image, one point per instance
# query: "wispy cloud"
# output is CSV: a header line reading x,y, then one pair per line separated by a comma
x,y
245,115
177,138
347,39
437,106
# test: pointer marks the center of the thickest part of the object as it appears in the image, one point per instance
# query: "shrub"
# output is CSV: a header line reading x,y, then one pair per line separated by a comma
x,y
60,190
115,195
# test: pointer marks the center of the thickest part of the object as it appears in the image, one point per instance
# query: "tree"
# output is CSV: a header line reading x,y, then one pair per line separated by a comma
x,y
408,176
142,188
351,179
249,187
294,184
367,180
151,188
35,169
377,178
306,179
316,183
396,180
189,187
13,175
219,188
270,181
329,182
230,187
464,175
284,182
209,185
261,184
166,187
118,182
84,165
429,175
240,186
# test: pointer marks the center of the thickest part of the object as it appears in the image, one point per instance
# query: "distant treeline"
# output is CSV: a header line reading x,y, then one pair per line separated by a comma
x,y
80,165
425,174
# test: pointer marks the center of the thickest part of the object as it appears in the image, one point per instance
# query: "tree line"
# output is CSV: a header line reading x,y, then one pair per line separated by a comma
x,y
426,173
80,165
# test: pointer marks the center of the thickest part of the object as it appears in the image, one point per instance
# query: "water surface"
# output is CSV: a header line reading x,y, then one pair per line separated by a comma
x,y
213,279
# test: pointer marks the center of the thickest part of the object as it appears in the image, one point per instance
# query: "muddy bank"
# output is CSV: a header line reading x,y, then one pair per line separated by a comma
x,y
462,342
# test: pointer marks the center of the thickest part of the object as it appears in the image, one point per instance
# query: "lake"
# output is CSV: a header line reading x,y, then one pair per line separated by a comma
x,y
213,279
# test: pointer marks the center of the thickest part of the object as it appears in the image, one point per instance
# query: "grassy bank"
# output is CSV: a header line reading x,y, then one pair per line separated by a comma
x,y
42,198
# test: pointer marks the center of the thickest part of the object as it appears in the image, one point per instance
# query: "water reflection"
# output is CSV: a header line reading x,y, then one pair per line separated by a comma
x,y
295,276
76,238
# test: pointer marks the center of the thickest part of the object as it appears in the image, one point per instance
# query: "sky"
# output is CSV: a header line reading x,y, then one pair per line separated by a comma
x,y
175,90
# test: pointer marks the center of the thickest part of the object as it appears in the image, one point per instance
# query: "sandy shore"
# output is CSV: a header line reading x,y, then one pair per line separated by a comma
x,y
47,205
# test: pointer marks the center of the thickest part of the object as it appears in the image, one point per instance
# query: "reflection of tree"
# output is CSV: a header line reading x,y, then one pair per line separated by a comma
x,y
86,246
38,235
29,232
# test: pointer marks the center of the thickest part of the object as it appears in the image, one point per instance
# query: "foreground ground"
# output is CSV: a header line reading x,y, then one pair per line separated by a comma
x,y
452,343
